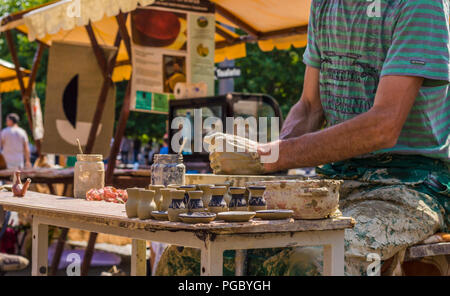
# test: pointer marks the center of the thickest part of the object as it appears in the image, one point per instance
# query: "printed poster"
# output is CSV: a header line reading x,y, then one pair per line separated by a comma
x,y
170,46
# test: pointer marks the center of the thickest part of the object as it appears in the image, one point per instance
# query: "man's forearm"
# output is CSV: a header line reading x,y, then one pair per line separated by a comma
x,y
376,129
27,153
363,134
302,119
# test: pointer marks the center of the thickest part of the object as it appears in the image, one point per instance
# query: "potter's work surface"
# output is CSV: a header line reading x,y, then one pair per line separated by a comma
x,y
113,215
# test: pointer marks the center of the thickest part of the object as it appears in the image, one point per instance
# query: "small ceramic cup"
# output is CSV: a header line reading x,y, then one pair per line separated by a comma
x,y
177,206
146,204
217,203
206,188
195,203
227,194
238,201
187,189
256,201
131,205
166,199
158,196
174,186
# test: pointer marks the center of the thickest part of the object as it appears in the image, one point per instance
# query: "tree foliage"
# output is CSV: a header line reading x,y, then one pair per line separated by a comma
x,y
278,73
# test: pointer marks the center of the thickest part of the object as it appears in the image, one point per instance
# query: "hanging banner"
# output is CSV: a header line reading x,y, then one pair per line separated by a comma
x,y
171,46
36,115
74,82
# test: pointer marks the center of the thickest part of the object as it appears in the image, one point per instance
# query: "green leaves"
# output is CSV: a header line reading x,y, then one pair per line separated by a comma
x,y
278,73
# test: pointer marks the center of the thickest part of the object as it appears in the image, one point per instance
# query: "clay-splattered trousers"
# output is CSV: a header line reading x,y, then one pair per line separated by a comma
x,y
393,208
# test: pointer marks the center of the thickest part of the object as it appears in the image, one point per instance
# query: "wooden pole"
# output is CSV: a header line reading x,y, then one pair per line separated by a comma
x,y
236,20
31,81
15,58
120,131
124,114
107,82
58,251
26,90
107,69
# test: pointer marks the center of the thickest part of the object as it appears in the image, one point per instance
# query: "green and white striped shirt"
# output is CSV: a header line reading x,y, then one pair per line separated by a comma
x,y
355,42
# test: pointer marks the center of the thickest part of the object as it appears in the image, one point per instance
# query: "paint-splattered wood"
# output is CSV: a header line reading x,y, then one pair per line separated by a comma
x,y
113,215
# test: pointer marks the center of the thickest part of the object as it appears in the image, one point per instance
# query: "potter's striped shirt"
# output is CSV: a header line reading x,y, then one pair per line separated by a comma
x,y
355,42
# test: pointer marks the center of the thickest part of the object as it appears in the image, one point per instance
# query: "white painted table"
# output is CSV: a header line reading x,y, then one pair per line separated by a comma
x,y
212,238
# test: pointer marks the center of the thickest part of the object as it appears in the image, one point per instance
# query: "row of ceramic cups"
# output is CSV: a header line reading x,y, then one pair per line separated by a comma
x,y
178,199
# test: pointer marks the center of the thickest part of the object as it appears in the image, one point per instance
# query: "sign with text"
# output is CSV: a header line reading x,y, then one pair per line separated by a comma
x,y
170,46
227,72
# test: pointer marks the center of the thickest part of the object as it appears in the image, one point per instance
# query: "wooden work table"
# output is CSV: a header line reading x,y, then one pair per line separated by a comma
x,y
212,238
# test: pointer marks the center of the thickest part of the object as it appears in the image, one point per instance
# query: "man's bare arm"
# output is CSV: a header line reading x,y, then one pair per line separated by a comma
x,y
26,150
376,129
307,115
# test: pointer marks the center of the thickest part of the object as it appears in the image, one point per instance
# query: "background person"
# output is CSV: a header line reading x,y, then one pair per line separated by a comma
x,y
14,144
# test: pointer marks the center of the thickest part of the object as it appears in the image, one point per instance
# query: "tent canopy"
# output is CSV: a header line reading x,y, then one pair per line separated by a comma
x,y
269,23
8,78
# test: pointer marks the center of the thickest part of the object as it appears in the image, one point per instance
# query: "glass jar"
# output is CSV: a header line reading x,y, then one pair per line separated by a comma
x,y
89,173
167,169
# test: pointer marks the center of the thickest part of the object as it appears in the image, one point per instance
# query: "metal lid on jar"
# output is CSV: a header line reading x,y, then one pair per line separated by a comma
x,y
90,157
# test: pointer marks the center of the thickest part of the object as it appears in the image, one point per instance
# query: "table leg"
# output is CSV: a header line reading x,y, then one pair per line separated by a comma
x,y
40,249
51,188
58,251
138,257
333,255
240,261
88,254
211,260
